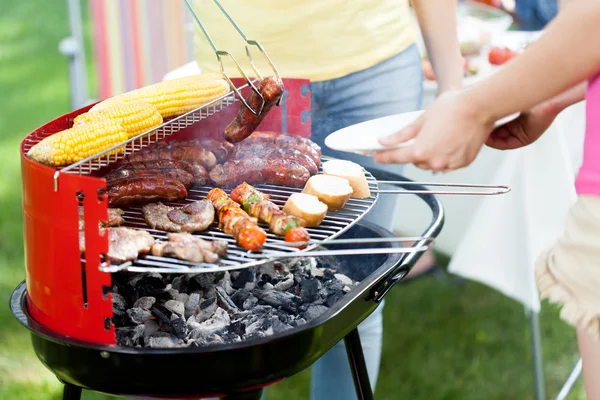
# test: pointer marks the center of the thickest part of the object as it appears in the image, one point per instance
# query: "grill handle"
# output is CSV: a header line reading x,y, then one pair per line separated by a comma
x,y
420,188
407,262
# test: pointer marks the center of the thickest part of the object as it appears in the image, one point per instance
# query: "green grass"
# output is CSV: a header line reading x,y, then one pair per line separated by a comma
x,y
443,339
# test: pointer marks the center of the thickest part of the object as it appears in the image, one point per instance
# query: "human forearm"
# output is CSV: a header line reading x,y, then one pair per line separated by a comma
x,y
437,20
558,60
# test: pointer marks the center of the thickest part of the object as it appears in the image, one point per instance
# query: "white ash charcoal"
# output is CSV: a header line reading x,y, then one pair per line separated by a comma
x,y
224,301
174,293
285,284
314,311
225,307
150,327
250,302
344,279
145,303
265,286
206,309
176,307
139,315
225,283
279,326
191,323
205,341
183,297
138,332
191,306
164,339
119,305
285,300
297,322
219,321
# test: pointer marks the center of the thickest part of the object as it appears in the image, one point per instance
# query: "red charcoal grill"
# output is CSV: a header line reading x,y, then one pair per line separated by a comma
x,y
67,306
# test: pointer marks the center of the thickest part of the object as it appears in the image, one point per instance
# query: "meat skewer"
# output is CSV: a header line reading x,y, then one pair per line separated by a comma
x,y
235,222
245,121
257,204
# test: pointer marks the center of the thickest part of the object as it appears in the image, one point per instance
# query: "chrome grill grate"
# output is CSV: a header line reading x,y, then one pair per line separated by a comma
x,y
334,224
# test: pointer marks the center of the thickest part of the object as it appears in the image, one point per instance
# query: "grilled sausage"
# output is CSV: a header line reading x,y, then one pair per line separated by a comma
x,y
245,121
272,140
219,148
144,189
161,167
274,171
180,151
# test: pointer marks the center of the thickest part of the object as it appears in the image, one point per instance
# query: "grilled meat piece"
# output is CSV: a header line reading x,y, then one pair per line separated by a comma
x,y
115,218
275,171
144,189
257,204
235,222
190,248
124,244
189,151
156,215
193,217
245,121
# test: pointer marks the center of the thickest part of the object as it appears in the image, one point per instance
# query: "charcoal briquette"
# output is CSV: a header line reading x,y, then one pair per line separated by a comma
x,y
178,327
145,302
139,315
314,311
176,307
239,297
309,290
164,339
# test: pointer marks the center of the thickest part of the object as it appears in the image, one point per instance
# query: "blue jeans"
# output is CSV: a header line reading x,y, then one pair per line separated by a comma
x,y
391,87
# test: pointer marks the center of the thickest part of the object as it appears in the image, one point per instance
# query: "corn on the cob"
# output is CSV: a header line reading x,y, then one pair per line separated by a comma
x,y
134,117
176,96
75,144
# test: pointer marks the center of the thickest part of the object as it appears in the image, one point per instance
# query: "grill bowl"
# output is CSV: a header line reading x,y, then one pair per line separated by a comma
x,y
214,370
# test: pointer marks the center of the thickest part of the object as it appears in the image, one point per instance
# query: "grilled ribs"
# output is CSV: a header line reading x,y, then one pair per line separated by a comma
x,y
185,246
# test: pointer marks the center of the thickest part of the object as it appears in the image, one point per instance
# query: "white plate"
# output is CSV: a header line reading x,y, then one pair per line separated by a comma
x,y
363,138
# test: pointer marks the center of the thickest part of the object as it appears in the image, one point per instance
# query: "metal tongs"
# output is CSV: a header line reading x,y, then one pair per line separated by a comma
x,y
221,53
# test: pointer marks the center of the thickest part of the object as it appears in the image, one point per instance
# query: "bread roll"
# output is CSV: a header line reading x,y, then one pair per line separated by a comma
x,y
307,207
352,172
331,190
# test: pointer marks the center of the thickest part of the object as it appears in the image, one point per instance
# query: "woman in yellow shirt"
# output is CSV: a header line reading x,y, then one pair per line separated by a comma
x,y
363,63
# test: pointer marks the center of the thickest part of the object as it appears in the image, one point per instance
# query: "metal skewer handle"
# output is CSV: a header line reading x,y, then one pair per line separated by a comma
x,y
221,53
427,242
486,190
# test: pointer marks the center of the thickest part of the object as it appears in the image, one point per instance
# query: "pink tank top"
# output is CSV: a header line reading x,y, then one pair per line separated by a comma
x,y
588,179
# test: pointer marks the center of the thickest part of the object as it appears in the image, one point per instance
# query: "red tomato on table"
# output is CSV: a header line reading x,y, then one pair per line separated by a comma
x,y
499,55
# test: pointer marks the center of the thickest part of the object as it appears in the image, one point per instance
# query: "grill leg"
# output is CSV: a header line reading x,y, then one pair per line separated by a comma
x,y
358,366
71,392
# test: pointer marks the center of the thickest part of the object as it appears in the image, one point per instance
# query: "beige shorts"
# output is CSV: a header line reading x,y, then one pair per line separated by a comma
x,y
569,273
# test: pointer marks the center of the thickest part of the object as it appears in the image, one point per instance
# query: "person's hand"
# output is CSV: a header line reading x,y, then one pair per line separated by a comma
x,y
532,124
448,136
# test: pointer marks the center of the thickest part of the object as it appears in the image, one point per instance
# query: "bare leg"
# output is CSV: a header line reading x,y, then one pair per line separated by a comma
x,y
589,348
